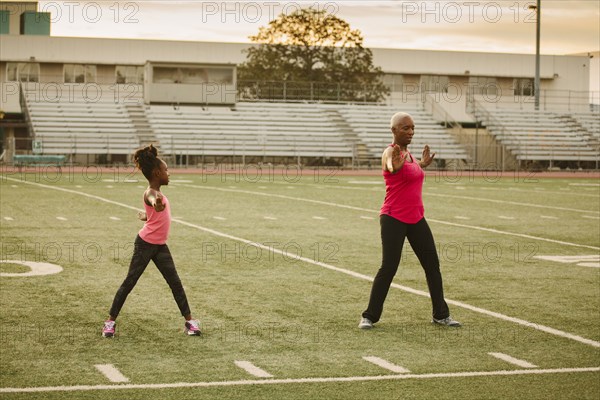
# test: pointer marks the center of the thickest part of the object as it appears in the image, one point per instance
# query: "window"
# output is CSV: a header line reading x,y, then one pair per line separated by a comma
x,y
523,87
220,75
434,83
129,74
79,73
192,75
394,82
484,85
23,72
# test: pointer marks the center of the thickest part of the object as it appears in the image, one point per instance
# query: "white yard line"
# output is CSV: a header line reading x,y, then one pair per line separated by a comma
x,y
513,203
512,360
111,373
386,364
479,228
253,369
519,321
176,385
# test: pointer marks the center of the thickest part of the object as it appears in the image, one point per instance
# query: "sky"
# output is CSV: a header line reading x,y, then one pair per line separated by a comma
x,y
567,27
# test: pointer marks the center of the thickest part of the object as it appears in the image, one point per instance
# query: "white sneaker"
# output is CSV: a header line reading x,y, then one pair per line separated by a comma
x,y
446,321
192,327
365,323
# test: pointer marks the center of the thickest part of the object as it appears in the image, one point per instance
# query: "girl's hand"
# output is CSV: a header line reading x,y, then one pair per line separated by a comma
x,y
142,216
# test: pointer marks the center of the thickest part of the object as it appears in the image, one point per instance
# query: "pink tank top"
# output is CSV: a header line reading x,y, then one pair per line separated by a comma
x,y
156,228
403,193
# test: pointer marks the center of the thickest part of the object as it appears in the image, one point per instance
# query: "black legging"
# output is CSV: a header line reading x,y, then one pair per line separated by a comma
x,y
393,233
143,252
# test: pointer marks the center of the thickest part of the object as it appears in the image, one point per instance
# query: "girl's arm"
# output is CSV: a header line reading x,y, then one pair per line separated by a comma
x,y
155,199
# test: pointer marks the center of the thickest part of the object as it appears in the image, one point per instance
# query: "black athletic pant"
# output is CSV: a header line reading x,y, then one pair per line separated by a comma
x,y
143,252
393,233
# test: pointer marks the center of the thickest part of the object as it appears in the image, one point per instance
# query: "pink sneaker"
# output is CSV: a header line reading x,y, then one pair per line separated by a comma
x,y
192,327
109,329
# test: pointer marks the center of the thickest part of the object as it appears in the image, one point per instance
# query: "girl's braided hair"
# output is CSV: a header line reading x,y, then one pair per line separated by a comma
x,y
146,160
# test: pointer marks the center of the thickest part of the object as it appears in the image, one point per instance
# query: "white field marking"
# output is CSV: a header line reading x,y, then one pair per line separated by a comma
x,y
9,218
180,181
460,187
494,314
78,186
36,268
446,375
14,186
548,217
426,192
479,228
366,183
109,186
253,369
505,217
115,218
270,218
111,372
262,187
513,203
365,217
570,259
585,184
232,187
512,360
461,217
319,218
589,264
590,217
291,187
219,218
129,180
591,261
61,218
108,180
386,364
141,187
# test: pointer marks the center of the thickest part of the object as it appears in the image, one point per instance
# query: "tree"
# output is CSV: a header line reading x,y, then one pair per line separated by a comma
x,y
310,54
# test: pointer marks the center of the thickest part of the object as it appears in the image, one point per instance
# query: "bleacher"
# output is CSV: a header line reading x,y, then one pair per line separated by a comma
x,y
372,125
250,129
543,135
72,124
590,121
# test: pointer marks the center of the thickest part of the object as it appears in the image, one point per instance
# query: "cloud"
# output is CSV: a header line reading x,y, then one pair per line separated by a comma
x,y
505,26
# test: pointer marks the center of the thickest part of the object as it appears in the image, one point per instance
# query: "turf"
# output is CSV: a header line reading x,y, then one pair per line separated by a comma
x,y
287,315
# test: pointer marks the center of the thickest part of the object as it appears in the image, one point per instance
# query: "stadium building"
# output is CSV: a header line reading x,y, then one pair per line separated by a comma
x,y
90,100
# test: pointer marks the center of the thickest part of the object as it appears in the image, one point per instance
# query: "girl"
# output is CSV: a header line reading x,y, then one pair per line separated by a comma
x,y
150,243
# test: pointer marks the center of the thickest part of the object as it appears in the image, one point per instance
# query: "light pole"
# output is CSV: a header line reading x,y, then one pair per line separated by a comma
x,y
536,83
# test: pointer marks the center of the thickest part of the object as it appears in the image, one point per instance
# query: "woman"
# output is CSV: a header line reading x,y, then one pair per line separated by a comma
x,y
150,244
402,216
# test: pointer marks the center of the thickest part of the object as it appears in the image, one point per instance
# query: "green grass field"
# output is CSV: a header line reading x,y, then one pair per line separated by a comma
x,y
291,305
